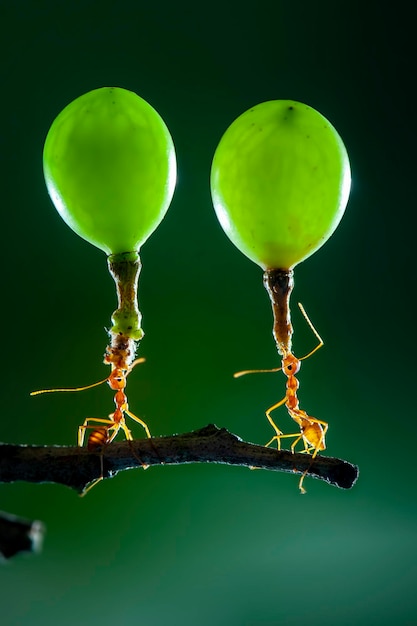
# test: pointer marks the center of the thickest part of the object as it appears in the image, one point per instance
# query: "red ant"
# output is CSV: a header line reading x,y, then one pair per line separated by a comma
x,y
312,430
109,428
102,435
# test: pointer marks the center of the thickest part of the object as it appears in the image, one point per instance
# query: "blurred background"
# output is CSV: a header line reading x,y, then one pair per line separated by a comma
x,y
213,544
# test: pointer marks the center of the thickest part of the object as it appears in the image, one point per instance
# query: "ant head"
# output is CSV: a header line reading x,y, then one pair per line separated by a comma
x,y
117,379
290,365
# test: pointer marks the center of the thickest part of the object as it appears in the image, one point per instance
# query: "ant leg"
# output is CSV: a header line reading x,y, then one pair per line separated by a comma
x,y
81,434
129,437
115,430
85,426
316,448
294,443
126,431
98,480
94,483
304,474
306,449
279,437
324,428
141,422
278,432
300,484
115,426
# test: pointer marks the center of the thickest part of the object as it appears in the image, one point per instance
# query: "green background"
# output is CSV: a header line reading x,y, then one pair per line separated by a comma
x,y
211,544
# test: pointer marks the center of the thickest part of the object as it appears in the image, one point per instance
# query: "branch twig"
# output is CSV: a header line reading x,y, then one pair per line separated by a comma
x,y
77,467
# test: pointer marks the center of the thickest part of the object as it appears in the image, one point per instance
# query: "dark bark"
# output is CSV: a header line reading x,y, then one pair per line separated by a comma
x,y
77,467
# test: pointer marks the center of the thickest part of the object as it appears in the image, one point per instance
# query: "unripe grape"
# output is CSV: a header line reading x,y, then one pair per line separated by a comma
x,y
280,182
110,168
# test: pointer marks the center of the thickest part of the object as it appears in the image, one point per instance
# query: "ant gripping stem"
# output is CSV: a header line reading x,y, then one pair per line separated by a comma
x,y
117,382
125,334
279,284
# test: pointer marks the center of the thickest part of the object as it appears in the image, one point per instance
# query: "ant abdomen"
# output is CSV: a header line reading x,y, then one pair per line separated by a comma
x,y
98,438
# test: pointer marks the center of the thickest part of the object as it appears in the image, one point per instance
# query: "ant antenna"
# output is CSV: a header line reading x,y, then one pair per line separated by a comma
x,y
100,382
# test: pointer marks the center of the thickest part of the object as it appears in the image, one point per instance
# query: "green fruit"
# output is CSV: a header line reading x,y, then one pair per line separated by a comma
x,y
280,182
110,169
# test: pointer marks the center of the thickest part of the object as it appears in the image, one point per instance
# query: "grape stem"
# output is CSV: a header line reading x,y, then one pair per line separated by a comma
x,y
77,467
279,284
126,319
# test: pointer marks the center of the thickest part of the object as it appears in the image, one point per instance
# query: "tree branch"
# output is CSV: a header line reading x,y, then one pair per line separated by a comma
x,y
77,467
